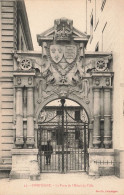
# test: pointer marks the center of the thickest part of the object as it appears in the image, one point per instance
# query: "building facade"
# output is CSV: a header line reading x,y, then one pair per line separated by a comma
x,y
65,69
14,35
105,25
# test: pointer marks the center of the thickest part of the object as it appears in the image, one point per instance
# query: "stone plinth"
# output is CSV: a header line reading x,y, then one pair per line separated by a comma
x,y
101,162
119,163
22,162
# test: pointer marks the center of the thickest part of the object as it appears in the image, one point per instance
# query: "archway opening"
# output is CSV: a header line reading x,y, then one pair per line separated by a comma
x,y
63,137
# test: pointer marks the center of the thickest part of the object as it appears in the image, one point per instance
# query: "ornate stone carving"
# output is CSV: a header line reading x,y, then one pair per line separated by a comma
x,y
63,57
44,50
42,116
70,53
63,79
30,80
18,80
25,64
63,29
100,65
107,81
85,89
97,81
56,52
82,50
81,90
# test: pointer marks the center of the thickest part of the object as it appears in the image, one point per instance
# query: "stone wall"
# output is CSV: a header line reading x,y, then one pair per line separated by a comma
x,y
8,43
9,34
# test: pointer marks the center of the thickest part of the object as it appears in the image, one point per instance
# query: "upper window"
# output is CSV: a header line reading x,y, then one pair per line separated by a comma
x,y
104,37
22,44
97,47
77,115
97,12
91,28
103,4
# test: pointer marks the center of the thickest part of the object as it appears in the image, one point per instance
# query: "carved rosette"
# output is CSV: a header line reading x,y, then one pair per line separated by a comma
x,y
25,64
101,64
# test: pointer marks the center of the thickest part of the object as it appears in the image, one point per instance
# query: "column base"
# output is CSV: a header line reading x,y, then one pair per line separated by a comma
x,y
30,142
96,142
119,163
21,163
101,162
19,142
107,142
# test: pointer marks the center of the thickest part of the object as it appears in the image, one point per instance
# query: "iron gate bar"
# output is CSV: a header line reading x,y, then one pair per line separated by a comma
x,y
68,158
62,102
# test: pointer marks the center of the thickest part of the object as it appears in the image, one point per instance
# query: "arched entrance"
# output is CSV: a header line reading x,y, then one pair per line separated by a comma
x,y
63,70
63,137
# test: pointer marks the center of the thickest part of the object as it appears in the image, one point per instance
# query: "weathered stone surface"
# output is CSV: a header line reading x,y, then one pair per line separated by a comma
x,y
21,162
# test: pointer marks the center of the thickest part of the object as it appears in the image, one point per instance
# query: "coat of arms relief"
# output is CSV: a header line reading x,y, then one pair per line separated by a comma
x,y
62,68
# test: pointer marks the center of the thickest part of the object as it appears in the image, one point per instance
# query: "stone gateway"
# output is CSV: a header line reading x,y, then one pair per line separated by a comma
x,y
64,70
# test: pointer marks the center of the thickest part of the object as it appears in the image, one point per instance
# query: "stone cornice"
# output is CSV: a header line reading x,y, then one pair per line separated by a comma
x,y
17,73
97,54
25,151
101,74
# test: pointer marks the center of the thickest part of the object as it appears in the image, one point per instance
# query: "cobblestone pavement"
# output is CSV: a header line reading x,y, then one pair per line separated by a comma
x,y
60,184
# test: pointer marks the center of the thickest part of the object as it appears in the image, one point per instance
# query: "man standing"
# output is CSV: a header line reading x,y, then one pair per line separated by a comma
x,y
48,151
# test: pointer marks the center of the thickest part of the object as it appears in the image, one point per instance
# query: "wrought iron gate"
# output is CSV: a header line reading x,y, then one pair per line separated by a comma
x,y
63,143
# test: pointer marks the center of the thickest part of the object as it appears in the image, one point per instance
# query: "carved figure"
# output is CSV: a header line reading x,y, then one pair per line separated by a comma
x,y
86,87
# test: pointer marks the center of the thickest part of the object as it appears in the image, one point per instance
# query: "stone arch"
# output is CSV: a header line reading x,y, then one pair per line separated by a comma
x,y
71,97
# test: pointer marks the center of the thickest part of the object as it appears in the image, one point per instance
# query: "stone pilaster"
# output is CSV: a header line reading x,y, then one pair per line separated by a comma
x,y
19,118
107,118
30,118
91,135
36,134
96,127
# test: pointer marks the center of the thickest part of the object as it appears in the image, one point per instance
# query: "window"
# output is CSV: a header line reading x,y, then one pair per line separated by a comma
x,y
97,12
91,28
103,4
22,44
104,35
77,115
97,47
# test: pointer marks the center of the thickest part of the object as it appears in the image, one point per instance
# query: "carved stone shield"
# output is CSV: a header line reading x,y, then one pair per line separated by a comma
x,y
70,53
56,52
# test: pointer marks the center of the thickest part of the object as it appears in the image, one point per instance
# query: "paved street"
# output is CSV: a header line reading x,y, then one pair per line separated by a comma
x,y
60,184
